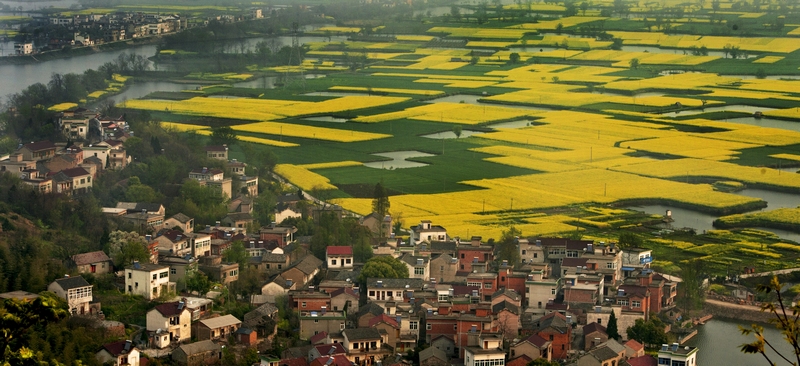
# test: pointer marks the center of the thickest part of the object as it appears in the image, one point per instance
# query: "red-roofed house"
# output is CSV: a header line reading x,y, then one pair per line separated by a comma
x,y
643,361
388,324
553,327
337,360
120,353
329,349
519,361
169,322
533,347
92,262
633,349
339,257
320,338
298,361
72,181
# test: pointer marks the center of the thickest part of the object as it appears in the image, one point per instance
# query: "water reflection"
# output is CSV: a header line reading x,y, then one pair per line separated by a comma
x,y
398,160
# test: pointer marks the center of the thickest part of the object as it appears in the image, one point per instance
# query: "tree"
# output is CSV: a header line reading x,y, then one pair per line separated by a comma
x,y
611,330
507,247
236,253
457,131
543,362
634,62
455,12
784,319
648,332
513,58
629,240
380,201
584,7
383,267
223,135
138,192
691,294
199,282
132,250
17,317
559,28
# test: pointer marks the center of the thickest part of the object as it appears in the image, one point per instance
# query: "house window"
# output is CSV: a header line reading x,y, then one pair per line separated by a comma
x,y
552,291
279,266
419,271
611,265
487,286
316,320
636,304
173,271
622,302
443,298
163,274
536,255
572,254
399,293
155,276
347,261
333,262
474,284
462,255
455,327
303,304
428,326
413,325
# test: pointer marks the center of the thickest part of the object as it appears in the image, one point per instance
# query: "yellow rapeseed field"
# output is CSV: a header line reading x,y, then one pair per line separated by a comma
x,y
308,132
388,90
303,178
62,107
334,164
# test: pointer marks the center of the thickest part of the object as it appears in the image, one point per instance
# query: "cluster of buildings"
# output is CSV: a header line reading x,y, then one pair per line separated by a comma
x,y
96,29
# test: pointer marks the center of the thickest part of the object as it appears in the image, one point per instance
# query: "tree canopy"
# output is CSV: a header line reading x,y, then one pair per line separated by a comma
x,y
648,332
506,247
612,330
383,267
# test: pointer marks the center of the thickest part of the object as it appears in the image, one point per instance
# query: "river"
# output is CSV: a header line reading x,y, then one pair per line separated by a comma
x,y
719,341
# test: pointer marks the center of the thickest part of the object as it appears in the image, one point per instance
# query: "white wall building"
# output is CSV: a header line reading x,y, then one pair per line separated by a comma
x,y
148,280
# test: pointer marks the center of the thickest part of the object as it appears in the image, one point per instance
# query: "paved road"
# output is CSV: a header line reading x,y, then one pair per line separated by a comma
x,y
770,273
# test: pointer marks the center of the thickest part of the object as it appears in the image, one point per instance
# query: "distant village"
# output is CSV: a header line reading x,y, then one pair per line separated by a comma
x,y
463,305
95,29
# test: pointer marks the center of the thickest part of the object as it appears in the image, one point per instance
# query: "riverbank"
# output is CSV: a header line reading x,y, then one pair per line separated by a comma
x,y
77,51
721,309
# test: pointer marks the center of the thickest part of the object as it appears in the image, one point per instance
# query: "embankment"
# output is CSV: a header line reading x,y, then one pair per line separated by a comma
x,y
735,311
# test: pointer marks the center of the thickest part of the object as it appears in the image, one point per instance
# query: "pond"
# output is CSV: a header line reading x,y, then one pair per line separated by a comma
x,y
512,124
719,341
398,160
767,122
700,221
474,100
450,134
141,89
725,108
326,119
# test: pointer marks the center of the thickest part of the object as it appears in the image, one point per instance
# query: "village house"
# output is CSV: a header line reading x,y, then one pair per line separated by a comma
x,y
216,328
443,268
364,344
198,353
302,272
339,257
487,351
534,347
343,299
77,292
219,271
213,178
280,234
219,152
593,335
148,280
96,262
38,151
120,353
315,322
474,256
380,227
310,301
554,328
418,267
433,356
392,290
72,181
427,232
180,221
169,323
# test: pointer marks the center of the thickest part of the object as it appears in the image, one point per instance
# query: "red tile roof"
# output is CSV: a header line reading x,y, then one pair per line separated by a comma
x,y
634,345
537,341
299,361
339,250
519,361
338,360
325,349
117,348
75,172
217,148
318,337
643,361
170,309
383,318
594,327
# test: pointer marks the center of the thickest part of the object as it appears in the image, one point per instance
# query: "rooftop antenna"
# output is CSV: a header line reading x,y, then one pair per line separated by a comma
x,y
295,59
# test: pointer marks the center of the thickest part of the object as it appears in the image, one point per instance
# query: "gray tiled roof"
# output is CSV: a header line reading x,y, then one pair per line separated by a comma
x,y
72,282
361,334
309,264
413,283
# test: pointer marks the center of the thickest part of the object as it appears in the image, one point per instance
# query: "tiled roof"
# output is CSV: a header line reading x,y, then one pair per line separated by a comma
x,y
555,320
345,291
299,361
217,148
604,353
89,258
507,292
199,347
339,250
326,349
318,337
432,352
171,308
309,264
361,333
40,145
370,308
336,360
383,318
180,217
537,341
207,171
75,172
220,321
119,347
643,361
634,345
594,327
413,283
573,262
72,282
497,308
613,345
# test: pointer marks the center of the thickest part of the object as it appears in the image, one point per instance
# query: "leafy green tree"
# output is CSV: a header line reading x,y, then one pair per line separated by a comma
x,y
691,293
383,267
132,250
138,192
18,317
513,58
223,135
507,247
629,240
634,63
380,200
543,362
199,282
612,330
457,129
236,253
648,332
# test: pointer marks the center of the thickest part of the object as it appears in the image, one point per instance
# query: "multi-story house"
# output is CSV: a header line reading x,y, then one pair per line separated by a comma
x,y
675,355
305,270
148,280
15,164
427,232
343,299
457,327
486,284
337,257
443,268
37,151
279,234
531,252
554,328
487,351
364,345
418,267
219,152
219,271
76,291
214,178
169,323
315,322
180,268
311,301
534,347
395,290
174,242
72,181
541,289
474,256
555,250
179,220
120,353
